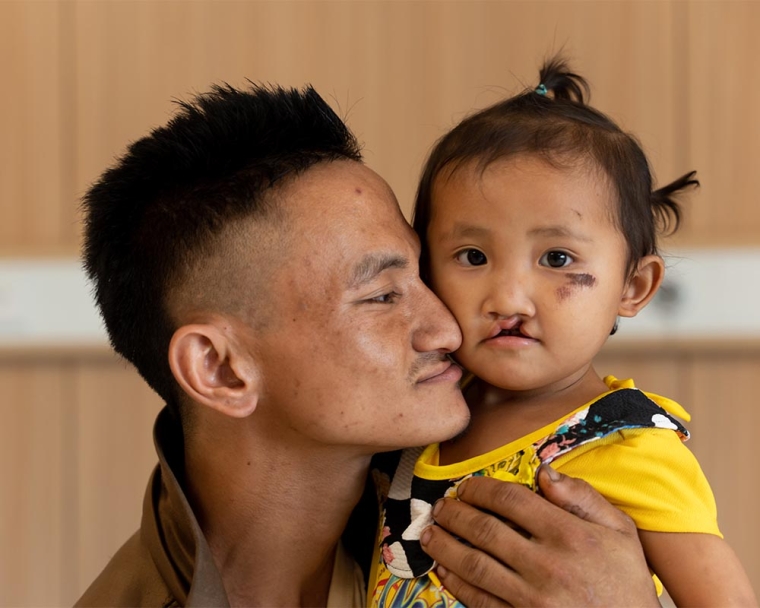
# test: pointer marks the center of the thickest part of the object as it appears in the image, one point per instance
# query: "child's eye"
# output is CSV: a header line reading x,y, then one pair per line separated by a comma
x,y
555,259
471,257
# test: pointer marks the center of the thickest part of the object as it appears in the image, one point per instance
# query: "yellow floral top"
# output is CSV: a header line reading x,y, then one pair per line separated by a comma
x,y
659,483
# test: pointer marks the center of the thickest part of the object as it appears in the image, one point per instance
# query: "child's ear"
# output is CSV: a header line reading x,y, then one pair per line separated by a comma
x,y
642,286
213,370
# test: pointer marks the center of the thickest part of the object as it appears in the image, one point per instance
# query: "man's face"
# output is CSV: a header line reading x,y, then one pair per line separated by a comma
x,y
354,352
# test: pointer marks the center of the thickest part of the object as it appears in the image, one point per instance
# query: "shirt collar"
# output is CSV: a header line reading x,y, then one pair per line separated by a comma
x,y
170,530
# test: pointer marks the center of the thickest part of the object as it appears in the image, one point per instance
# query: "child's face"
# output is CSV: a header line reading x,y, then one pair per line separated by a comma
x,y
531,263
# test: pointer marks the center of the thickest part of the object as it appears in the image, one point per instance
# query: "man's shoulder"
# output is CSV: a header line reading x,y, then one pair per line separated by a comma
x,y
129,579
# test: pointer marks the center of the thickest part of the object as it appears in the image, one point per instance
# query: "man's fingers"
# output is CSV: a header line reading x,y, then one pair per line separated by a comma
x,y
477,572
483,530
484,574
579,498
467,594
512,502
592,560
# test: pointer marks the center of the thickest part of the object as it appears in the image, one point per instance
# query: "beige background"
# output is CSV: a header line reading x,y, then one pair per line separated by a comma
x,y
82,79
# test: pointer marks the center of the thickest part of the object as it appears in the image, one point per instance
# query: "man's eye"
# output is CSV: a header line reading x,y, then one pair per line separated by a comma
x,y
385,298
471,257
555,259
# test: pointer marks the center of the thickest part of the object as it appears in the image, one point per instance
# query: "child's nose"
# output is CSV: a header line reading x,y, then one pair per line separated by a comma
x,y
509,295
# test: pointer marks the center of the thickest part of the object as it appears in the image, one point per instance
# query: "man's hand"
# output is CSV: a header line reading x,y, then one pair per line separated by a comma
x,y
581,552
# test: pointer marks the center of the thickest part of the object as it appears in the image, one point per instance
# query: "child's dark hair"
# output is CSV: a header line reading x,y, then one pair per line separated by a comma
x,y
158,211
554,122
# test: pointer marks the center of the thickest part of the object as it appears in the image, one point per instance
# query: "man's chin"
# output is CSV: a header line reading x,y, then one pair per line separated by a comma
x,y
462,432
426,440
450,431
459,431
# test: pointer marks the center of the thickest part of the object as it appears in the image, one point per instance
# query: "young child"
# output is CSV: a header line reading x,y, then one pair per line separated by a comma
x,y
538,224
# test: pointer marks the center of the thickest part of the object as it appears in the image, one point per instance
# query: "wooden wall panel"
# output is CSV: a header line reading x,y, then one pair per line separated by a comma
x,y
36,210
37,479
364,68
660,373
75,456
402,72
115,456
92,76
722,139
726,419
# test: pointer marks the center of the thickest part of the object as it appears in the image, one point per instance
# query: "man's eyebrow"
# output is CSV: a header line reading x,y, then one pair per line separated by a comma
x,y
372,265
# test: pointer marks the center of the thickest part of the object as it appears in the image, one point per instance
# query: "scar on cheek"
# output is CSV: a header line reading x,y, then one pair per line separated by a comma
x,y
575,280
581,279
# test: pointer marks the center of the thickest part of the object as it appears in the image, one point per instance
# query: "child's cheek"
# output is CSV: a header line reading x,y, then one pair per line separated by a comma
x,y
575,282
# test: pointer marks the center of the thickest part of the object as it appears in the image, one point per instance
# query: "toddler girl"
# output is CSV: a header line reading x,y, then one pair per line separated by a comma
x,y
538,223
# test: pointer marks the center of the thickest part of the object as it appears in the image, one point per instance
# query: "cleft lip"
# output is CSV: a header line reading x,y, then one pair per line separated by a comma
x,y
512,327
504,325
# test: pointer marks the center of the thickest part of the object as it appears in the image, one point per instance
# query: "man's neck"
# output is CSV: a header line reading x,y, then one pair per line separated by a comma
x,y
273,516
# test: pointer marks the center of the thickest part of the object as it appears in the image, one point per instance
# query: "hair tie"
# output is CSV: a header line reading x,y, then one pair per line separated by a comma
x,y
541,89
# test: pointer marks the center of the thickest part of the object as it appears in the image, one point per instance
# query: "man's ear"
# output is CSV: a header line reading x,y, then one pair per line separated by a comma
x,y
213,370
642,286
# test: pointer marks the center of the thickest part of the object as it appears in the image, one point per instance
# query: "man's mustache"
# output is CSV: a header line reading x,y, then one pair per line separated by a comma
x,y
424,361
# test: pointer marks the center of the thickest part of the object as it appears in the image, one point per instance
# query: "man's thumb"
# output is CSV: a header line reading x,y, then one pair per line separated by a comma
x,y
578,497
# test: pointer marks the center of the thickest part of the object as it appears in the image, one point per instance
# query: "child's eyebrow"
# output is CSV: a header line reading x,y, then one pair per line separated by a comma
x,y
465,230
558,231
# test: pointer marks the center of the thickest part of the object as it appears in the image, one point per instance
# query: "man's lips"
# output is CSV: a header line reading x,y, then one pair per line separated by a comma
x,y
445,371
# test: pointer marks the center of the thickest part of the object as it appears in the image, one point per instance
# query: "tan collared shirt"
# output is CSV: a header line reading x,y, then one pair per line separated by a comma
x,y
167,562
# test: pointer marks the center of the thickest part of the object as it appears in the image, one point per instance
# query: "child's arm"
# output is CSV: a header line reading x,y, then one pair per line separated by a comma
x,y
697,569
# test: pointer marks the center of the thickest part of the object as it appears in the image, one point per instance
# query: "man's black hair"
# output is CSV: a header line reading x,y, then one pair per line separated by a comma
x,y
159,209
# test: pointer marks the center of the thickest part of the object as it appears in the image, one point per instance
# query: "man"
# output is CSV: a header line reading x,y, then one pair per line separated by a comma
x,y
264,282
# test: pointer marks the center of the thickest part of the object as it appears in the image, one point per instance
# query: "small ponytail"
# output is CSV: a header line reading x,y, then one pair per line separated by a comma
x,y
555,76
665,208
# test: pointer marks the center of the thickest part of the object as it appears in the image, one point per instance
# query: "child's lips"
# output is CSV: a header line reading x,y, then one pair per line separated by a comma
x,y
509,332
508,327
510,341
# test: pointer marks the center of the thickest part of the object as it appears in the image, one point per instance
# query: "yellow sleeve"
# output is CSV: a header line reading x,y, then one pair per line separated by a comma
x,y
650,475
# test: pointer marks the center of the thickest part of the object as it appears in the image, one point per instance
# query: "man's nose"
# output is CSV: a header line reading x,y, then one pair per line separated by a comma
x,y
437,329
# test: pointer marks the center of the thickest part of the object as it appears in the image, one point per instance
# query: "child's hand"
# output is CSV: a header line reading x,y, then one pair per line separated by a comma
x,y
584,553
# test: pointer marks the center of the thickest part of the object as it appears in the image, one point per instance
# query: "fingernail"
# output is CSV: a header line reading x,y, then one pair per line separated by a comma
x,y
441,572
553,475
437,507
425,536
461,487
